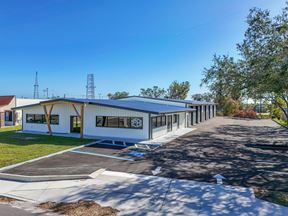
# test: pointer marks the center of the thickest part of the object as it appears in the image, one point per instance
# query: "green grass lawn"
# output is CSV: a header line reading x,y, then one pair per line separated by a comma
x,y
18,147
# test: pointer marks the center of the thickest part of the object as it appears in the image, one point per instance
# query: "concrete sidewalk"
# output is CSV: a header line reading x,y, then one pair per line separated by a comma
x,y
168,137
147,195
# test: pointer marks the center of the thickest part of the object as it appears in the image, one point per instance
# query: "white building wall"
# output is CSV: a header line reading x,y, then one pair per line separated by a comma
x,y
24,102
64,112
160,131
90,129
91,111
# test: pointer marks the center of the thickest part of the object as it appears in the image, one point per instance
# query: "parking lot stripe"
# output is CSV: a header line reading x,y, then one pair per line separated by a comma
x,y
102,155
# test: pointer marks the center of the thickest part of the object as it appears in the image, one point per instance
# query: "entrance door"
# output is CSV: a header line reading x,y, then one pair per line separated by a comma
x,y
169,123
75,124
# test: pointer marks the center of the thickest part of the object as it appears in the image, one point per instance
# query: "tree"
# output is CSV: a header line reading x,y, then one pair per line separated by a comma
x,y
118,95
178,90
203,97
224,79
154,92
265,55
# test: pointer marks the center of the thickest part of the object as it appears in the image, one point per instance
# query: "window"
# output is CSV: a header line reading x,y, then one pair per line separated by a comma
x,y
29,118
113,121
158,121
40,119
54,119
119,122
8,115
124,122
101,121
175,118
154,122
163,120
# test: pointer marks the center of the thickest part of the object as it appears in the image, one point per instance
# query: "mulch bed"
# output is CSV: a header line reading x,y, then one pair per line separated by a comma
x,y
7,199
80,208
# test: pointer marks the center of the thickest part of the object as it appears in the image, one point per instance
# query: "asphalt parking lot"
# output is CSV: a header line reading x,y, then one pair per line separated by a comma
x,y
224,146
219,146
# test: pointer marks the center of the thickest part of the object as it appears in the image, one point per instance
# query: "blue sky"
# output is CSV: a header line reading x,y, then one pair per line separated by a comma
x,y
126,44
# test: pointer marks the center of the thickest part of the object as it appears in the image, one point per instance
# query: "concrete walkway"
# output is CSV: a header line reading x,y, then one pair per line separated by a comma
x,y
145,195
169,136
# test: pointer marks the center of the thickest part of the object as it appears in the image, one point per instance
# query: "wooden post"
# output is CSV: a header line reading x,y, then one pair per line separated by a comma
x,y
48,117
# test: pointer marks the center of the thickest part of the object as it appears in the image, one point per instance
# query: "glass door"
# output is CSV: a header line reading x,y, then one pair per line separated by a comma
x,y
75,124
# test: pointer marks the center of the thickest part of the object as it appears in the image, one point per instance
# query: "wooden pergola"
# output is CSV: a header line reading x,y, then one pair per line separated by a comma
x,y
48,107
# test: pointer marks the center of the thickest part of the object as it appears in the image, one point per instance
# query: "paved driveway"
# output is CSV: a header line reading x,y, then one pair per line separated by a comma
x,y
225,146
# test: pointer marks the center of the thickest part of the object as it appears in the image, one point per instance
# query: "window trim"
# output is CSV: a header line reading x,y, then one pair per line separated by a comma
x,y
43,119
176,118
106,125
159,123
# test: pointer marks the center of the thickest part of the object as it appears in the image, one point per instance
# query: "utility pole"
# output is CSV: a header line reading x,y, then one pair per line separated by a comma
x,y
36,87
90,88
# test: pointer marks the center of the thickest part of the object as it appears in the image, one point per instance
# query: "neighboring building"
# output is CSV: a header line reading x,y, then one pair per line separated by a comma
x,y
104,118
8,117
203,110
124,118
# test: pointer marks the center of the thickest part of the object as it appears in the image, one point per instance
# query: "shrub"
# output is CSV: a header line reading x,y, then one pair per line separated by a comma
x,y
230,107
246,113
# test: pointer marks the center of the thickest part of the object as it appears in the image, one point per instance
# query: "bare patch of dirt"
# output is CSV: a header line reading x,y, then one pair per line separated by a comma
x,y
7,199
80,208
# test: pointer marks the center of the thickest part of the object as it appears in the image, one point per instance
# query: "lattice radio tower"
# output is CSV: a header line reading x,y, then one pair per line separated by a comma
x,y
36,87
90,88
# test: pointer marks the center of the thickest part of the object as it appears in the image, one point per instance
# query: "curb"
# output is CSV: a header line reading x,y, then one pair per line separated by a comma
x,y
24,178
18,198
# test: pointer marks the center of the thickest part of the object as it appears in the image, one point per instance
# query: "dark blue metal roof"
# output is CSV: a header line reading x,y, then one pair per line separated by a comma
x,y
140,106
136,105
190,102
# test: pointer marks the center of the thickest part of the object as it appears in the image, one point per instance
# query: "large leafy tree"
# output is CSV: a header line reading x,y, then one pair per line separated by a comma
x,y
265,55
154,92
118,95
224,79
203,97
178,90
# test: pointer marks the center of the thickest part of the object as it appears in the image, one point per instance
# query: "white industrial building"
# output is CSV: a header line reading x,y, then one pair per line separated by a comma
x,y
129,118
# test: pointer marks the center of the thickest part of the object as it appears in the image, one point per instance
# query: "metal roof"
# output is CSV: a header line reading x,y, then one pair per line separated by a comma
x,y
190,102
134,105
6,100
